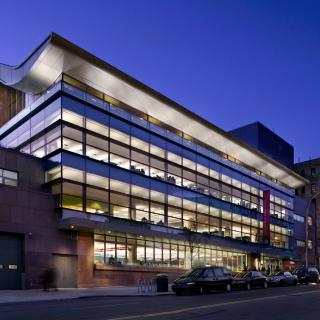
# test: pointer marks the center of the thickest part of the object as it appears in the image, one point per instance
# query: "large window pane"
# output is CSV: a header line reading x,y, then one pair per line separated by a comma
x,y
72,117
119,161
97,200
72,197
72,174
97,127
119,136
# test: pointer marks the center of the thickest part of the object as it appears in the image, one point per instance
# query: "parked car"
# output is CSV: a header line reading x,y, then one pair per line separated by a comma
x,y
202,280
250,279
307,275
282,278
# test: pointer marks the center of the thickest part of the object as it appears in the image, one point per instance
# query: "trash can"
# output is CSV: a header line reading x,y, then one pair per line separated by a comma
x,y
162,283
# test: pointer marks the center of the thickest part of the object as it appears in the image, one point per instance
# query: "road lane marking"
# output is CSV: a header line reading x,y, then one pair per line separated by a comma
x,y
208,306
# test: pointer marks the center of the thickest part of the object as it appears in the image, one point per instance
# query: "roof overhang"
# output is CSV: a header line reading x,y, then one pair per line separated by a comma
x,y
57,55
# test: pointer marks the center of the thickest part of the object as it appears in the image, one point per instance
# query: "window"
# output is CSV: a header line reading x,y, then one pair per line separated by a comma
x,y
154,150
119,136
313,188
301,243
53,174
53,140
313,172
72,197
97,128
96,148
309,244
298,218
309,221
97,181
72,174
97,200
9,178
72,117
256,274
139,144
119,186
120,150
72,140
218,272
226,179
208,274
97,142
110,251
144,251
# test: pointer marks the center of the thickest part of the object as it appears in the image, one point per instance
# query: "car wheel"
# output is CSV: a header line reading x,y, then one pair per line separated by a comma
x,y
295,282
281,283
248,286
228,287
265,285
178,293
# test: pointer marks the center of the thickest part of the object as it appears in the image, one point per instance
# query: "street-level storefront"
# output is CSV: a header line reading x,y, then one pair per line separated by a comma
x,y
138,258
150,252
127,259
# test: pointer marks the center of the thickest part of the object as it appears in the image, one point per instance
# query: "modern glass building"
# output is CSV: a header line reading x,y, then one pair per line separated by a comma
x,y
141,183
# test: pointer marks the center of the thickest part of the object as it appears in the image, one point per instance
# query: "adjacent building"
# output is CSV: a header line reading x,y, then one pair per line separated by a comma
x,y
125,183
271,144
265,140
311,192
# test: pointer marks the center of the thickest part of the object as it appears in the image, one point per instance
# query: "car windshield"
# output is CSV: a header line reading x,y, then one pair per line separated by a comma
x,y
241,275
312,270
192,273
298,271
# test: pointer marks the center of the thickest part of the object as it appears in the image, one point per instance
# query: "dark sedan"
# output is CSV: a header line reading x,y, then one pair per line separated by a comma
x,y
282,278
202,280
249,280
307,275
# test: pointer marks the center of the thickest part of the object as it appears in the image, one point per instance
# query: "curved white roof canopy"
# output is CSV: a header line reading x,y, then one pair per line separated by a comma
x,y
56,55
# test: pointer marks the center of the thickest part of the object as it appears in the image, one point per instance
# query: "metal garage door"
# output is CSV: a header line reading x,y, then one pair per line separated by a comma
x,y
66,270
11,262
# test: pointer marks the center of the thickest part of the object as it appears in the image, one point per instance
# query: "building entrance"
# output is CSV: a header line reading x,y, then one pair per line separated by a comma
x,y
66,270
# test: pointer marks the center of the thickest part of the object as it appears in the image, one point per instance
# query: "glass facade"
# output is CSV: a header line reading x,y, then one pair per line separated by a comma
x,y
116,163
157,203
150,252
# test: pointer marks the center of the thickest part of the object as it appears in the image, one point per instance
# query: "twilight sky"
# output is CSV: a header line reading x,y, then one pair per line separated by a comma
x,y
232,62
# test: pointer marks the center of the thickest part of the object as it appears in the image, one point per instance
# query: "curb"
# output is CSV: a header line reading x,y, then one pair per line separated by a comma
x,y
89,297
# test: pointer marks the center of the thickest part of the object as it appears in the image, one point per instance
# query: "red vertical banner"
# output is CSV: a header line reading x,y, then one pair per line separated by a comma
x,y
266,216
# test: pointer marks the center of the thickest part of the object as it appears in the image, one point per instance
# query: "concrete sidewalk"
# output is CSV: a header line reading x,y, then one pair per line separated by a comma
x,y
15,296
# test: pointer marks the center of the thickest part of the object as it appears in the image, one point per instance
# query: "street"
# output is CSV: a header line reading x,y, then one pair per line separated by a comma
x,y
299,302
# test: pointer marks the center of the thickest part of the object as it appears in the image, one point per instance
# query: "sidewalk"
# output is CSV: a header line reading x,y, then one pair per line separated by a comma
x,y
14,296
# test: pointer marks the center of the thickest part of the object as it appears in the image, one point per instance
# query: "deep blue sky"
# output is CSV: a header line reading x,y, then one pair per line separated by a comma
x,y
232,62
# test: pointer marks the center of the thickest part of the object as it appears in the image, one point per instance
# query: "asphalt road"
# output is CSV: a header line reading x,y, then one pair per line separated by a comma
x,y
300,302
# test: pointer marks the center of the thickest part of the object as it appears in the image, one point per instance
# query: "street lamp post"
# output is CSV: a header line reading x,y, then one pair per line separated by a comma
x,y
307,226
